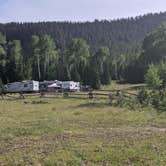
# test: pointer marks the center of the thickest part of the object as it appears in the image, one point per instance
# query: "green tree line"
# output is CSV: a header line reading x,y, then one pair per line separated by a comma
x,y
91,53
46,62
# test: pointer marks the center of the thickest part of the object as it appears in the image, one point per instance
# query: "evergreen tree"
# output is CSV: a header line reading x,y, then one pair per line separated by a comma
x,y
94,76
2,57
62,68
14,61
102,57
106,78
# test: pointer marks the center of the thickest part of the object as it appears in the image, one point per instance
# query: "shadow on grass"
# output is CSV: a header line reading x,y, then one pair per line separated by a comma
x,y
135,87
37,102
93,105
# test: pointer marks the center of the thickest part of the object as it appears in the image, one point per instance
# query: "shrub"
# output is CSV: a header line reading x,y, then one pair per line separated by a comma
x,y
143,97
152,77
155,98
127,102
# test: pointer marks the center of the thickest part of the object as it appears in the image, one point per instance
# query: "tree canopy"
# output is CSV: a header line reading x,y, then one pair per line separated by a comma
x,y
89,52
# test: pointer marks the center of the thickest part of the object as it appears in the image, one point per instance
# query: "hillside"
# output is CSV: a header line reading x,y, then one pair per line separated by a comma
x,y
91,52
121,36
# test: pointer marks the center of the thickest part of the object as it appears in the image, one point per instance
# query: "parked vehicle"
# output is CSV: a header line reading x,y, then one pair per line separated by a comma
x,y
54,88
46,85
70,86
86,88
22,87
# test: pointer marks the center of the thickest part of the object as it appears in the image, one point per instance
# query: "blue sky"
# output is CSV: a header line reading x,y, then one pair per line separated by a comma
x,y
75,10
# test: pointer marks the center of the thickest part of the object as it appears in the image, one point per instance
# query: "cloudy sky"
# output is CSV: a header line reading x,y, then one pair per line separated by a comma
x,y
75,10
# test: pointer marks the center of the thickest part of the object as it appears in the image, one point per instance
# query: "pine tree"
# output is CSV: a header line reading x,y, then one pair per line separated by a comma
x,y
14,61
106,78
2,57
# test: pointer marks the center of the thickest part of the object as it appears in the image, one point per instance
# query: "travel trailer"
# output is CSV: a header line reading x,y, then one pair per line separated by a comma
x,y
54,88
22,87
50,85
70,86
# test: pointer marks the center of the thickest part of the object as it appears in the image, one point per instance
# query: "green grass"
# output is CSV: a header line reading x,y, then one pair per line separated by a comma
x,y
127,87
75,132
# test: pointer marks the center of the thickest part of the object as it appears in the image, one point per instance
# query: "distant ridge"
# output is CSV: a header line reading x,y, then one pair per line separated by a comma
x,y
122,36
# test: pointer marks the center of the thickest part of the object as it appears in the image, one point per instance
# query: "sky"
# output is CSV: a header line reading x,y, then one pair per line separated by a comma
x,y
75,10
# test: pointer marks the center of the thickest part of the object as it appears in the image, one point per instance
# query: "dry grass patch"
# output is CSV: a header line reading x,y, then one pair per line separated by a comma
x,y
73,132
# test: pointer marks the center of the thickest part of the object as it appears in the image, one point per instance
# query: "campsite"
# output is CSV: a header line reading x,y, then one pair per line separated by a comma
x,y
73,131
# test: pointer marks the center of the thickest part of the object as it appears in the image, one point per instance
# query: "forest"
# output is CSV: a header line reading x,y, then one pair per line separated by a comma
x,y
92,53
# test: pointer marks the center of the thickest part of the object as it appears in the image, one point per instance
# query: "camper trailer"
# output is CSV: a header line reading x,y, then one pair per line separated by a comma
x,y
22,87
50,86
54,88
70,86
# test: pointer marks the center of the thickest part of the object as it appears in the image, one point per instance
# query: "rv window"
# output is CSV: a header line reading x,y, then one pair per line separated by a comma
x,y
25,85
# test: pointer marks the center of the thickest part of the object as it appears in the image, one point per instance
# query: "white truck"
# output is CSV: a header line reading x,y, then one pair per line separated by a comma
x,y
22,87
70,86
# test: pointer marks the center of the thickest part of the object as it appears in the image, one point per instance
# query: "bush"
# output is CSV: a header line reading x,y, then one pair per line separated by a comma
x,y
152,77
127,102
154,98
143,97
162,73
162,105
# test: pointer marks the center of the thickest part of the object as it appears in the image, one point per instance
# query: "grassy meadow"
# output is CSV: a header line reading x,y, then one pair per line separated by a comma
x,y
80,132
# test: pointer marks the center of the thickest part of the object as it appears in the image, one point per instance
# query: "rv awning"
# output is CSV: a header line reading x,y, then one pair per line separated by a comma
x,y
53,86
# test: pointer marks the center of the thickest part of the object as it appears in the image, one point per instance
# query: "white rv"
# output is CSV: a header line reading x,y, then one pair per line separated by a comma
x,y
19,87
70,86
50,85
